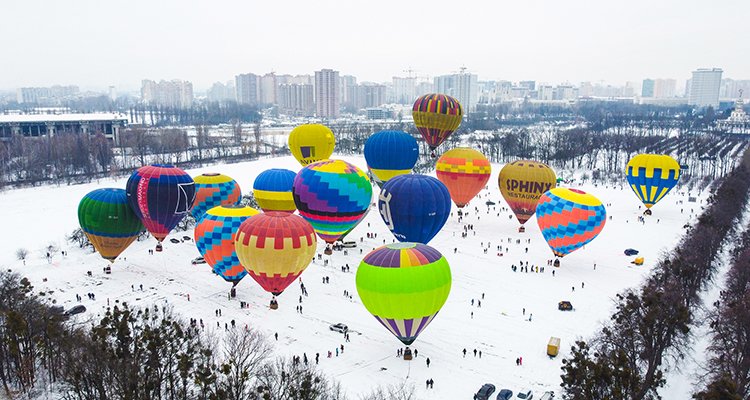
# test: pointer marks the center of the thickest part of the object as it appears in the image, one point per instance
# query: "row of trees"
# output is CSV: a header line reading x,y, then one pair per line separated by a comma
x,y
650,328
149,353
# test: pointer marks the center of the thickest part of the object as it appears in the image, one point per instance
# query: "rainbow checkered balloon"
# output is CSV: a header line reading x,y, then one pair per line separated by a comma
x,y
569,219
333,196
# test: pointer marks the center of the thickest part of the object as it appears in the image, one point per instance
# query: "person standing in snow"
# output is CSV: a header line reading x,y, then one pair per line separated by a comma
x,y
464,352
428,362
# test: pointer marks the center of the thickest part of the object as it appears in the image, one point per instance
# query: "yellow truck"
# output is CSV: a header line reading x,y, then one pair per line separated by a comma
x,y
553,347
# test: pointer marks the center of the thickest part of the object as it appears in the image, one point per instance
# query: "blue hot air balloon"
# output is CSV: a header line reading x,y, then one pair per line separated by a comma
x,y
414,207
272,190
390,153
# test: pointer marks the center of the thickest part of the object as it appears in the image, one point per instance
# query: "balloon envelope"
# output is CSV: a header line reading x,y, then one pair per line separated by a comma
x,y
212,190
414,207
272,190
522,183
214,237
275,248
465,172
108,221
404,285
436,116
333,196
652,176
569,219
310,143
160,195
390,153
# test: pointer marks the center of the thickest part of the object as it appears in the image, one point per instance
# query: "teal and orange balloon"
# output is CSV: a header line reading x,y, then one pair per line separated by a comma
x,y
436,116
652,176
213,190
404,285
108,221
333,196
569,219
214,238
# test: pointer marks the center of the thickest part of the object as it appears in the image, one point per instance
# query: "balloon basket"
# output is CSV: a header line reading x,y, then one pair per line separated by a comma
x,y
407,354
328,251
158,247
521,229
556,263
274,305
647,212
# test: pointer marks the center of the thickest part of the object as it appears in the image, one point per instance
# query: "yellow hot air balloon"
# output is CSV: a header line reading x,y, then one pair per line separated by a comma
x,y
522,183
652,176
310,143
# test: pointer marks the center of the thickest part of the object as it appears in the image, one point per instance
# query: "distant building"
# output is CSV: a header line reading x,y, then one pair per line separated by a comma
x,y
377,113
42,95
463,86
731,87
247,88
174,93
647,89
424,88
369,95
704,87
545,93
34,125
268,88
221,92
296,99
531,85
404,90
665,88
327,95
348,90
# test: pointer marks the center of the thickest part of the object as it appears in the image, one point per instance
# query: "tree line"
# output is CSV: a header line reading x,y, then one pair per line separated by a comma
x,y
650,329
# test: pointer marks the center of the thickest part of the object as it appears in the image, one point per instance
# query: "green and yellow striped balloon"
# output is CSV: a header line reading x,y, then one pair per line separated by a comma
x,y
108,221
404,285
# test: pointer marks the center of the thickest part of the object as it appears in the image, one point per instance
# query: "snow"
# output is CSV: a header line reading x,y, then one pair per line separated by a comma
x,y
35,217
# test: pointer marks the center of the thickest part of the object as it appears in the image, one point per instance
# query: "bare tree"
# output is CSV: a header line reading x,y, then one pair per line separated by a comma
x,y
21,254
245,353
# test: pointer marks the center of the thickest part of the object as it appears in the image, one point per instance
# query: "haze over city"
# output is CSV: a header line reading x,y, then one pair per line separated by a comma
x,y
97,44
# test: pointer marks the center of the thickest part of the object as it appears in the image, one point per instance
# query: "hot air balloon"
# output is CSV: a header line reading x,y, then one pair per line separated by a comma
x,y
389,154
332,195
214,237
522,183
275,248
404,285
569,218
108,221
272,190
414,207
310,143
652,176
160,195
212,190
436,116
465,172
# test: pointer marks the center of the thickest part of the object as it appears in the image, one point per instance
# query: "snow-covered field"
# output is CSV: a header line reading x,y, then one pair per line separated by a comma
x,y
499,329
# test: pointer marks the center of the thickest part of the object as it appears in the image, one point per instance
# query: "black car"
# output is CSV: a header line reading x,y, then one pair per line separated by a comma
x,y
564,306
505,394
75,310
175,241
485,392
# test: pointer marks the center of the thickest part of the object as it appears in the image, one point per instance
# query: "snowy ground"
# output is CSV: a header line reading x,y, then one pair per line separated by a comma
x,y
38,216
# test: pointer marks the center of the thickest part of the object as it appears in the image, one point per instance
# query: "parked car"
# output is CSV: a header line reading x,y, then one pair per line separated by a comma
x,y
564,306
505,394
175,240
75,310
525,395
198,260
339,328
485,392
549,395
349,245
631,252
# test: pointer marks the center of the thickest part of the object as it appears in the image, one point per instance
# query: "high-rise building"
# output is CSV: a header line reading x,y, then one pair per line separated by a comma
x,y
369,95
347,89
665,88
531,85
45,95
545,93
296,99
404,90
247,88
175,93
267,89
462,86
221,92
704,87
424,88
327,93
647,89
730,88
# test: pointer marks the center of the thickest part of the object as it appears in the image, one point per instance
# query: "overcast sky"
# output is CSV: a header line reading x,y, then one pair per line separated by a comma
x,y
97,43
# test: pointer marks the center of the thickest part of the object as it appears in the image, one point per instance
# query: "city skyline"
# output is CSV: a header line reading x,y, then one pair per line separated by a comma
x,y
203,43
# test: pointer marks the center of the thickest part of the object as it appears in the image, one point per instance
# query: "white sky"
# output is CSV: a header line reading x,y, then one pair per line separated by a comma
x,y
97,43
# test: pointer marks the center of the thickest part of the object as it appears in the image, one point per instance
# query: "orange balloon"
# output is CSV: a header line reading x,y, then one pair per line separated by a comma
x,y
465,172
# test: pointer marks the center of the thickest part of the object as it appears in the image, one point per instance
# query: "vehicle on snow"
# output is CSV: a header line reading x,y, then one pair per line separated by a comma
x,y
339,327
485,392
565,306
175,240
75,310
198,260
525,395
505,394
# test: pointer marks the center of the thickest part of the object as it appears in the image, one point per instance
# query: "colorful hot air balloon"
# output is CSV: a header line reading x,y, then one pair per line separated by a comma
x,y
108,221
214,237
436,117
522,183
414,207
212,190
652,176
310,143
390,153
332,195
404,285
272,190
465,172
569,218
275,247
160,195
